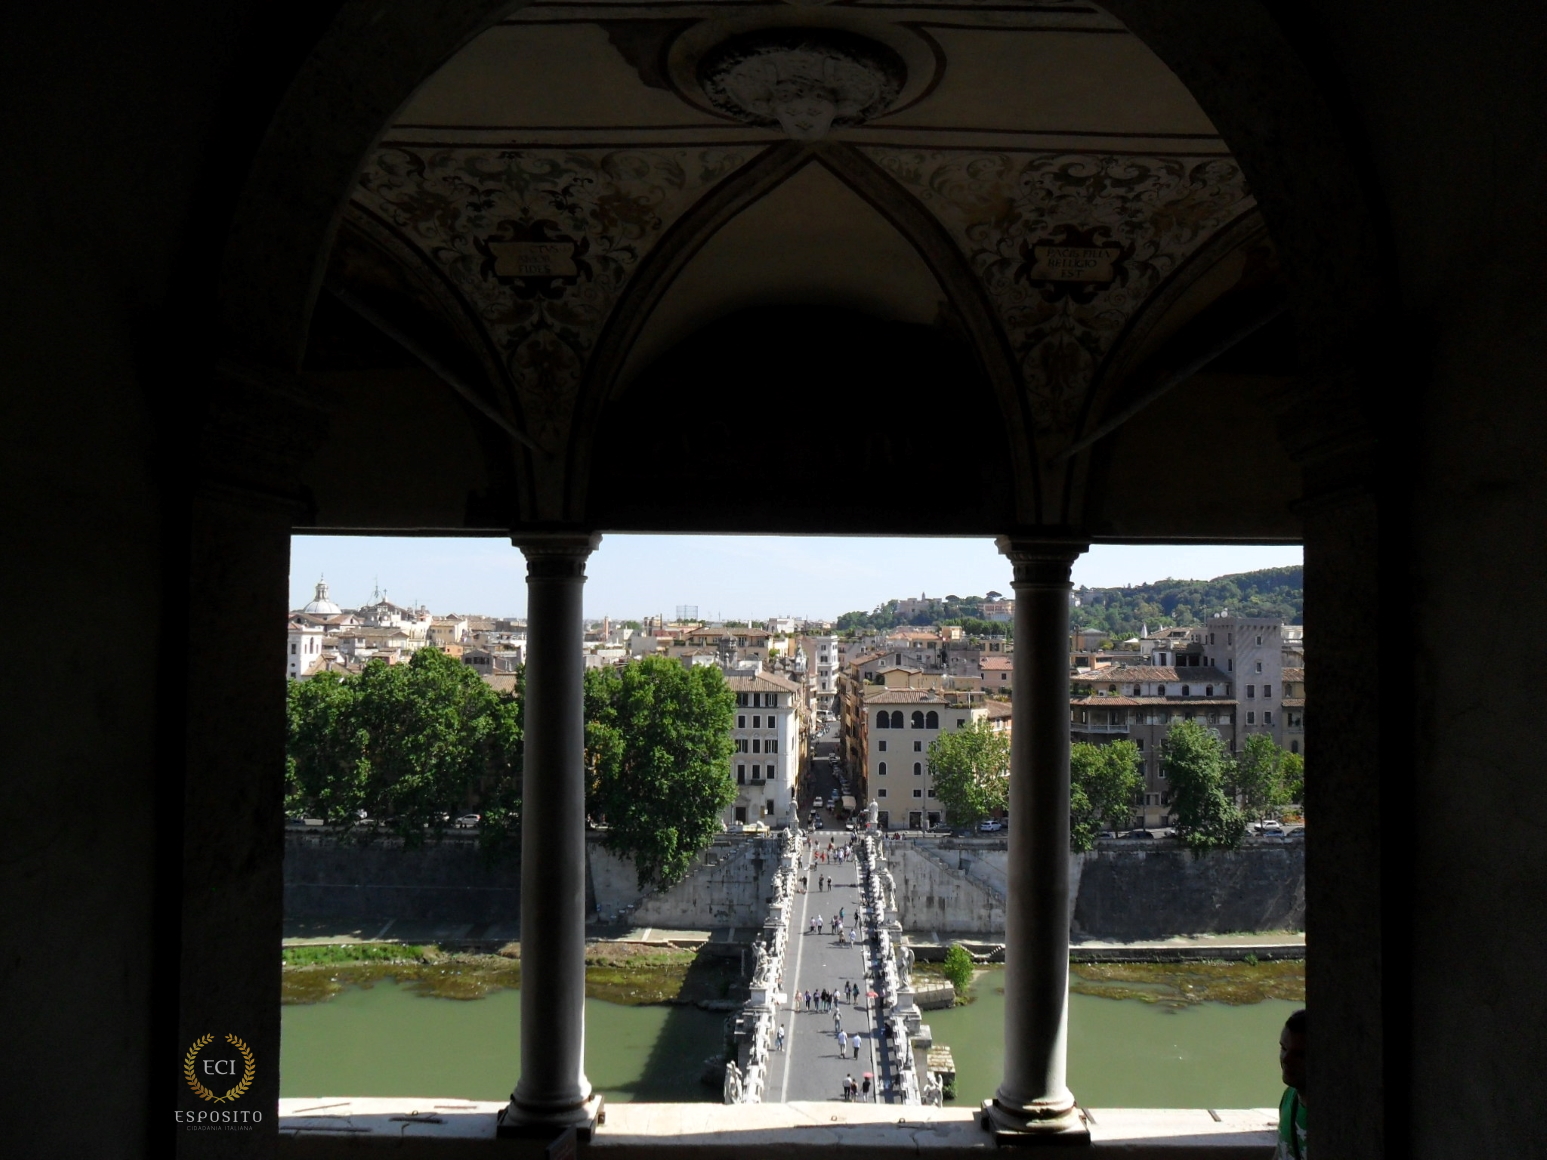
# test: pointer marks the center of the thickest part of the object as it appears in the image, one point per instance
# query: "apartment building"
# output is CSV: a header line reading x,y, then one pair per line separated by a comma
x,y
1139,703
768,743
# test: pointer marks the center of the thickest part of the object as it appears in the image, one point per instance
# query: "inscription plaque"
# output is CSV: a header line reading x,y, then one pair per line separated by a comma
x,y
1074,263
534,259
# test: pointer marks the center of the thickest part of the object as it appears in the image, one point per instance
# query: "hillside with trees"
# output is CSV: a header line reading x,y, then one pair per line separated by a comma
x,y
1121,612
953,609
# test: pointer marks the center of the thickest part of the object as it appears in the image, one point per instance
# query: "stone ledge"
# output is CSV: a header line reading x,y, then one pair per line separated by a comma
x,y
341,1126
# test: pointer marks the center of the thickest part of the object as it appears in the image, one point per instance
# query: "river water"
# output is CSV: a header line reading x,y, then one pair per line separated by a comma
x,y
1125,1053
388,1041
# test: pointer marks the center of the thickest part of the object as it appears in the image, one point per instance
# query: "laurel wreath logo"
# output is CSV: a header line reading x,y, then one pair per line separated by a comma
x,y
249,1072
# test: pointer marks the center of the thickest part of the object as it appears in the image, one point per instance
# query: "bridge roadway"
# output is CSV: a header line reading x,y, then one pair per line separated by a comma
x,y
809,1067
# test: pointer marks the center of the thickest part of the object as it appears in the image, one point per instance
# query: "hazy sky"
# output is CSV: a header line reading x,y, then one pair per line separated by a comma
x,y
739,577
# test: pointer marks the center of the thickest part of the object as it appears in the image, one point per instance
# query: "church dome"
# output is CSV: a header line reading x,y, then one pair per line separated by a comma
x,y
321,605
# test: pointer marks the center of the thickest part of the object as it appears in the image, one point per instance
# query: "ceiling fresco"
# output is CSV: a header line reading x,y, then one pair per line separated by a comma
x,y
559,175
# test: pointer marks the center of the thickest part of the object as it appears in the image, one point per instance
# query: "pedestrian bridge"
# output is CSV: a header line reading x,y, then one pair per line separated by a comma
x,y
831,1013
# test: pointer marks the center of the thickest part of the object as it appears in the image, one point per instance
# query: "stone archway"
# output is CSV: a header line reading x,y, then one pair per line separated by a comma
x,y
1286,133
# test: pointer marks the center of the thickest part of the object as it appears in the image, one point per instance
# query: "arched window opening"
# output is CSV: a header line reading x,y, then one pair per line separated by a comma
x,y
918,719
932,720
881,770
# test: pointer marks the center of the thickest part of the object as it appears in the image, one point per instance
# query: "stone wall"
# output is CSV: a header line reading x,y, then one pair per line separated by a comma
x,y
934,895
449,880
1120,891
1147,890
452,881
730,885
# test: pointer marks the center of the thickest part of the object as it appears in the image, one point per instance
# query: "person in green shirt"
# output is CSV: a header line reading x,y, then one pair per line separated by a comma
x,y
1291,1108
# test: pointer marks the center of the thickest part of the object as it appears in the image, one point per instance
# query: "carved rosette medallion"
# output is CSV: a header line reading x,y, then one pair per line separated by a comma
x,y
802,80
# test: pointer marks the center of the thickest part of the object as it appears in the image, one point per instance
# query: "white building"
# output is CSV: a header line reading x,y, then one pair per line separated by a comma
x,y
767,743
305,648
824,666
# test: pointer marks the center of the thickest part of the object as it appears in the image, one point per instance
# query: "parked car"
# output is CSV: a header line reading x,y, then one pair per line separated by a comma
x,y
1267,829
468,821
816,803
1139,834
940,828
990,825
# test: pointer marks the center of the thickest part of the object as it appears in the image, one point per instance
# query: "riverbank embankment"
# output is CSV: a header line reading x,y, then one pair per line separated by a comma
x,y
1121,892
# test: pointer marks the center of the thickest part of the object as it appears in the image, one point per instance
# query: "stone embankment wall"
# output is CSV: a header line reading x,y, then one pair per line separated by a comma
x,y
1163,889
936,894
449,881
1122,891
453,881
731,884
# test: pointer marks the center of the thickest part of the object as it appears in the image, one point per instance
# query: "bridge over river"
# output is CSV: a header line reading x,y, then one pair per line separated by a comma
x,y
789,1049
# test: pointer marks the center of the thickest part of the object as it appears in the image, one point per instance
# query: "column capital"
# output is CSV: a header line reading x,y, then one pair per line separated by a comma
x,y
555,554
1041,561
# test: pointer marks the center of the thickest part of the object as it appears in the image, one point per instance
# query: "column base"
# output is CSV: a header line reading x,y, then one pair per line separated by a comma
x,y
1012,1129
518,1123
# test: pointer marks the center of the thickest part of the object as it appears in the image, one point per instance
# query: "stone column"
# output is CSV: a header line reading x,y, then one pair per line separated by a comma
x,y
220,895
553,1092
1034,1096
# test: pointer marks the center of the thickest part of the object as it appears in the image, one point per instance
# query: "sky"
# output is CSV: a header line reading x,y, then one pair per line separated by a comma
x,y
729,577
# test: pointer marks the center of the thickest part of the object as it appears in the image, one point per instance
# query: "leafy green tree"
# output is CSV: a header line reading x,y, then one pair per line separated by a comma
x,y
1294,778
408,744
661,761
1103,780
958,968
1197,767
603,738
971,771
1256,777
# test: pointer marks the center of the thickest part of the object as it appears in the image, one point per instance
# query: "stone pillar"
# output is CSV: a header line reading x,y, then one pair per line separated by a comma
x,y
553,1092
1034,1096
221,894
1356,885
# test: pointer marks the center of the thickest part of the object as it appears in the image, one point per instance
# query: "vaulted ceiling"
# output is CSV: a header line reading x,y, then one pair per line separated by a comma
x,y
830,248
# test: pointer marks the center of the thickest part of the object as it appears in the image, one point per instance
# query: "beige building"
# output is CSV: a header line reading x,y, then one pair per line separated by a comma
x,y
899,725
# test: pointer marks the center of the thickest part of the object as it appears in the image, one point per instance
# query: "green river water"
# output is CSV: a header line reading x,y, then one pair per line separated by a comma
x,y
387,1041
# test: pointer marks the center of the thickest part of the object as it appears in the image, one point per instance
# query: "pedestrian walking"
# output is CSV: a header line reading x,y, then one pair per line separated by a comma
x,y
779,1039
856,1045
843,1044
837,1019
864,1088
